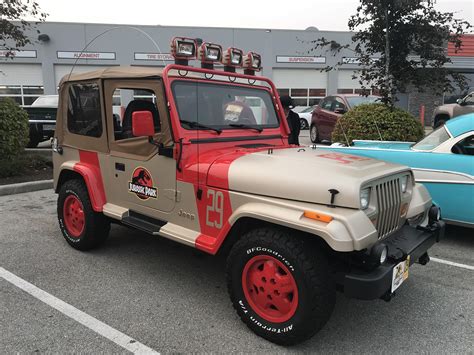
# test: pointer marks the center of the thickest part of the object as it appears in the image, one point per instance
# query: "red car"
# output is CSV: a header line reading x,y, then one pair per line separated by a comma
x,y
328,111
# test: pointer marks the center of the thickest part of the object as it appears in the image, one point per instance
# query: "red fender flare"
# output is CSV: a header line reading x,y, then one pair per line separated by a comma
x,y
89,168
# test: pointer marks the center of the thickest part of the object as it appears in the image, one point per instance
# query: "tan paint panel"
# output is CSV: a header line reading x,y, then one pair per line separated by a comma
x,y
306,174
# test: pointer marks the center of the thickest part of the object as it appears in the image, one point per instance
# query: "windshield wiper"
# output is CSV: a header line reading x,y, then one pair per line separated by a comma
x,y
194,124
244,126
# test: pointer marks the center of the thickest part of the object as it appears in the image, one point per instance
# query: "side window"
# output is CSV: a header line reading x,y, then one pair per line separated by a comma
x,y
84,115
339,104
469,100
130,101
327,103
465,147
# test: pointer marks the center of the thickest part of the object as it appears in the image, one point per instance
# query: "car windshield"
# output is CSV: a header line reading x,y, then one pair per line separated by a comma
x,y
222,106
50,101
432,140
307,109
358,100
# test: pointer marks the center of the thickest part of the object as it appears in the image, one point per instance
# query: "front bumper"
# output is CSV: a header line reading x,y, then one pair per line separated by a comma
x,y
408,241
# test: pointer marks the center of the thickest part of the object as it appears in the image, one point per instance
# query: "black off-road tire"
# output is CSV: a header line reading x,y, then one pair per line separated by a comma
x,y
316,292
96,226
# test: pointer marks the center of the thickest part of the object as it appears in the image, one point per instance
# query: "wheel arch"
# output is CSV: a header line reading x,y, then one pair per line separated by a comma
x,y
247,223
88,175
441,116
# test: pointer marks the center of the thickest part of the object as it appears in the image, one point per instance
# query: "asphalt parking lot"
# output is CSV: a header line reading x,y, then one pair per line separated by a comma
x,y
171,298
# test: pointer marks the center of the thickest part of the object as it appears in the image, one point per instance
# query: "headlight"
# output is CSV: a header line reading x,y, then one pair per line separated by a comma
x,y
364,198
404,183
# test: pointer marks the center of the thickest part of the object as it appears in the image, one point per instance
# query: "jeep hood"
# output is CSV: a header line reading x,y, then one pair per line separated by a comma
x,y
301,174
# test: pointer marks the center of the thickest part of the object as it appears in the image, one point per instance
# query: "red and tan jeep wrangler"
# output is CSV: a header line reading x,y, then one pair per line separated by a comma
x,y
201,156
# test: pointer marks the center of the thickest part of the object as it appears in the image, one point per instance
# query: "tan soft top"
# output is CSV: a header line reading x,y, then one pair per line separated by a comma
x,y
119,72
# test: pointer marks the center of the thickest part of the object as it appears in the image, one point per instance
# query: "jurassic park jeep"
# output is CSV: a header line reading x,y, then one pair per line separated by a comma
x,y
201,156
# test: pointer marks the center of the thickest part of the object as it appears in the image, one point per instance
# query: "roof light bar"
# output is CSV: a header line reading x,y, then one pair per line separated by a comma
x,y
183,49
252,62
208,54
232,58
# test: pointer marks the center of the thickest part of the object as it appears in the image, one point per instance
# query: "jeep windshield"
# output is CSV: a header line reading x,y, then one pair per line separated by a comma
x,y
217,106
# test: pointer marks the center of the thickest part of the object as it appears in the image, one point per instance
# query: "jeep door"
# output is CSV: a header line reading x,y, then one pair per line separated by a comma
x,y
139,178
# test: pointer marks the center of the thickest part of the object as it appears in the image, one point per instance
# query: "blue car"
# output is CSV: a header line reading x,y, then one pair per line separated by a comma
x,y
443,161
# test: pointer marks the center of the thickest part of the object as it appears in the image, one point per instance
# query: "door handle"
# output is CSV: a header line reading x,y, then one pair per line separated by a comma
x,y
120,166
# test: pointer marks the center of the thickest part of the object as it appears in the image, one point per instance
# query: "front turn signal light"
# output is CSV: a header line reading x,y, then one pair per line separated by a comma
x,y
318,216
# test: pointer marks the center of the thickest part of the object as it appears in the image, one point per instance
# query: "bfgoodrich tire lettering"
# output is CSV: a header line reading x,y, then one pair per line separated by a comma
x,y
82,228
307,266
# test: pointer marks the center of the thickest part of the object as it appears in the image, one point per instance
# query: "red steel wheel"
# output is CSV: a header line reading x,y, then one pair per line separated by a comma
x,y
270,288
74,217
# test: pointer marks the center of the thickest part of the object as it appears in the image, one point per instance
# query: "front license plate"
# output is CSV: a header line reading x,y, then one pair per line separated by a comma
x,y
400,273
49,127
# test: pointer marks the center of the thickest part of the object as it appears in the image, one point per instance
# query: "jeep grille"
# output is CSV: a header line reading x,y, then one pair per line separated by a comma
x,y
389,201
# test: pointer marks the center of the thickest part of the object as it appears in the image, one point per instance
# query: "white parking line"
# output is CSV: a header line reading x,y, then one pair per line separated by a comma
x,y
447,262
88,321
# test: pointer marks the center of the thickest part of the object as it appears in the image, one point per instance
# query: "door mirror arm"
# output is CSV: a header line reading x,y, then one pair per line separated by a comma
x,y
162,150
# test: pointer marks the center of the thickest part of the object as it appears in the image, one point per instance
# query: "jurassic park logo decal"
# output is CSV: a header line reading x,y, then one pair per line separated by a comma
x,y
142,184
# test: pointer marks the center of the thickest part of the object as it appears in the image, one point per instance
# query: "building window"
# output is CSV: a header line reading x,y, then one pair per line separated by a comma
x,y
304,96
24,95
357,91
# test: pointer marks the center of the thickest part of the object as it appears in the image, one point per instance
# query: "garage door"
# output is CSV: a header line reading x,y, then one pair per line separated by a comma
x,y
21,82
21,74
62,70
347,85
305,86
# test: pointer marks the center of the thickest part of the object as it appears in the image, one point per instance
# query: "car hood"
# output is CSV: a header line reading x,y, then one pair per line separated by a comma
x,y
383,145
301,174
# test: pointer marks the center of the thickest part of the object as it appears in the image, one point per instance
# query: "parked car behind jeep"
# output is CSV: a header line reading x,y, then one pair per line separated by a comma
x,y
42,119
329,110
445,112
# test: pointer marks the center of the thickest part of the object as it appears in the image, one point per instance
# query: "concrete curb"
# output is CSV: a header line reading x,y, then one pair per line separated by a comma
x,y
22,187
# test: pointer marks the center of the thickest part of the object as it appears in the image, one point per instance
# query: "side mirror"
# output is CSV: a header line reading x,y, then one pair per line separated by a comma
x,y
142,124
340,111
459,101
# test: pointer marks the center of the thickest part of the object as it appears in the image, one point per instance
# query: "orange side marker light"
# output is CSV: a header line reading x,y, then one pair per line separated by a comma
x,y
318,216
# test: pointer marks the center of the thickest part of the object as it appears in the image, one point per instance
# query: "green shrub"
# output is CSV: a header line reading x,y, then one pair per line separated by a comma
x,y
14,129
362,121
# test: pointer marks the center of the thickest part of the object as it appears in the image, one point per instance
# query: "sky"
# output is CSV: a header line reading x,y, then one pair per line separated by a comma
x,y
277,14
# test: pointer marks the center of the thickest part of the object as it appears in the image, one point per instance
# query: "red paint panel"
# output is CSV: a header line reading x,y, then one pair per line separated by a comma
x,y
466,50
211,237
89,168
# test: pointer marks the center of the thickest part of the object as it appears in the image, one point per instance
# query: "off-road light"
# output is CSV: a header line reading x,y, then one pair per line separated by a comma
x,y
183,49
252,62
232,58
404,183
378,253
364,198
208,54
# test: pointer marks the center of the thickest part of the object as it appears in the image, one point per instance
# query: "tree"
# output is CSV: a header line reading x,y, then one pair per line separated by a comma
x,y
401,44
13,26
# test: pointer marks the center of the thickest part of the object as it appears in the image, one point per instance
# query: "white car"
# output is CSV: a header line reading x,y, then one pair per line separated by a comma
x,y
305,117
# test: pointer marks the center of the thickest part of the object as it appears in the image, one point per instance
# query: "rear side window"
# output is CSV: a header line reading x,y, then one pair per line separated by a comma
x,y
84,115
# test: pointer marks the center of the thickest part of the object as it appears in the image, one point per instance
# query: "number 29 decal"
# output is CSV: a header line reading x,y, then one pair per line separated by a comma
x,y
215,208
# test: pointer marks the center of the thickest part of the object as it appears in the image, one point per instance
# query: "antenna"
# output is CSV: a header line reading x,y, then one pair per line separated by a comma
x,y
107,31
376,126
343,132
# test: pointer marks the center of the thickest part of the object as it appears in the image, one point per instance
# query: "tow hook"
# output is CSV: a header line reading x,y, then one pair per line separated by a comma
x,y
424,259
